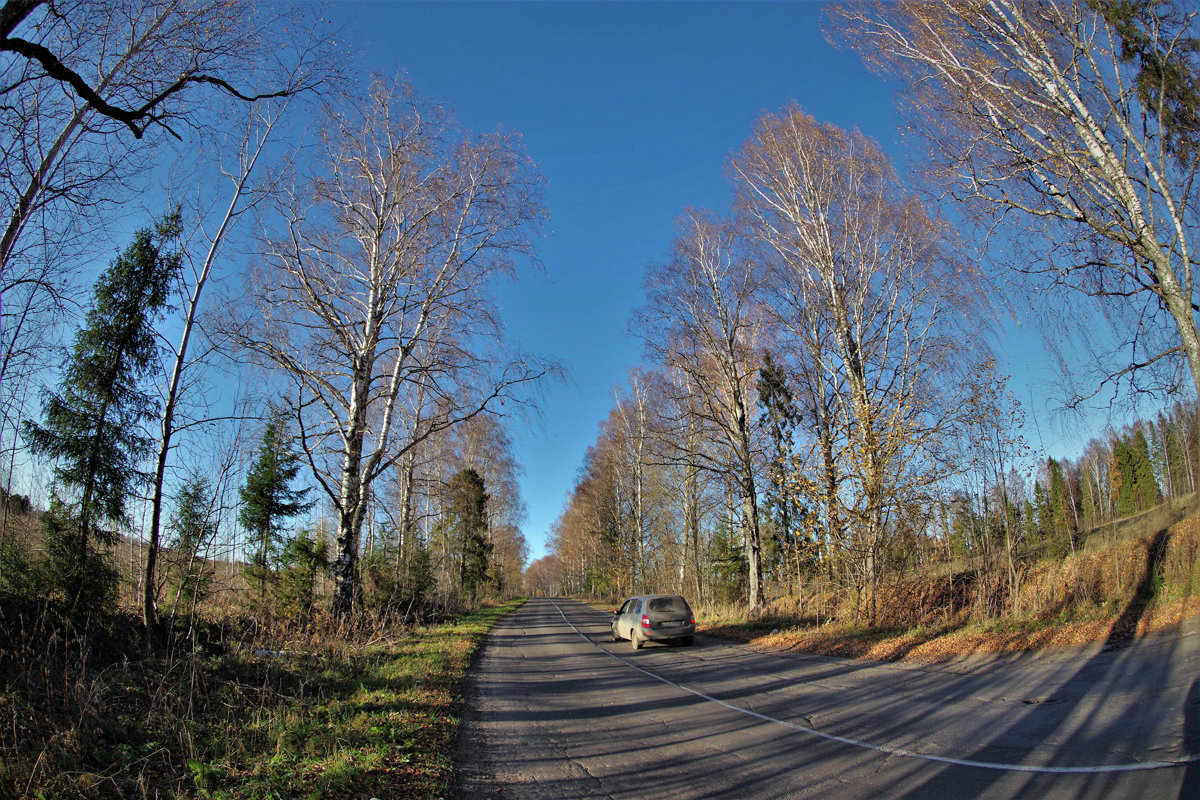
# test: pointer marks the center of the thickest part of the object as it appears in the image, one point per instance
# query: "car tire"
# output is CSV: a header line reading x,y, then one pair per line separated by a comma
x,y
613,633
635,637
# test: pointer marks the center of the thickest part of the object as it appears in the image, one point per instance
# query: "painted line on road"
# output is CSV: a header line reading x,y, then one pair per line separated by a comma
x,y
892,751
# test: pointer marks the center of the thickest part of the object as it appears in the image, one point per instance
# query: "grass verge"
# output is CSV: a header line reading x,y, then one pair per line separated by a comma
x,y
344,718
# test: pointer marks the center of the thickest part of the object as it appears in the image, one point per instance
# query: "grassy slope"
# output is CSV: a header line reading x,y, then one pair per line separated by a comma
x,y
1115,588
96,716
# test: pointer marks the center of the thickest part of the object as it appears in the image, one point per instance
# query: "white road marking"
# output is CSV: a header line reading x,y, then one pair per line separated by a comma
x,y
893,751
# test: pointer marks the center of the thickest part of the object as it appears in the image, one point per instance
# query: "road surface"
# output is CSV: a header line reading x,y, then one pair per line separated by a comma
x,y
556,710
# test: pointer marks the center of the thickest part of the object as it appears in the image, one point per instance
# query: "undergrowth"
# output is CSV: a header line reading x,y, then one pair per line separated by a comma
x,y
1128,589
94,709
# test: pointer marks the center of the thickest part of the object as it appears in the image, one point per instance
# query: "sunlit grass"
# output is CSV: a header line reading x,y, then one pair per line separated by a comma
x,y
340,719
380,722
1094,595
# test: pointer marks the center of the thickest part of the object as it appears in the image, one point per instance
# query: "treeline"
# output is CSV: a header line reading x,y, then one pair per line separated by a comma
x,y
986,521
332,277
820,397
1011,523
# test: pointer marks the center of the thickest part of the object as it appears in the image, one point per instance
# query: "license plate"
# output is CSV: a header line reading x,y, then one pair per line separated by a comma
x,y
670,624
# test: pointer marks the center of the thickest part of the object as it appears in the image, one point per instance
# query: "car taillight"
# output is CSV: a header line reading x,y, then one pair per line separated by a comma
x,y
692,621
645,621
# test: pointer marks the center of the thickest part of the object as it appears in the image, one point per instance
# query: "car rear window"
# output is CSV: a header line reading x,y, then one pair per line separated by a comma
x,y
669,604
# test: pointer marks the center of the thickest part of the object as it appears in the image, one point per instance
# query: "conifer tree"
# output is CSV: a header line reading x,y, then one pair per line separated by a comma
x,y
468,509
1134,485
268,500
1159,38
303,558
193,526
1061,529
1029,514
780,417
1146,489
1042,512
92,425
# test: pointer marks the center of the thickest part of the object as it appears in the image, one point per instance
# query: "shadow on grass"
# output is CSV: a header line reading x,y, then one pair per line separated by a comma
x,y
1126,626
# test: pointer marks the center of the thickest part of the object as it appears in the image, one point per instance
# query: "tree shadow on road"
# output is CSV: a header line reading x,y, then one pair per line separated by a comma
x,y
1123,631
1191,743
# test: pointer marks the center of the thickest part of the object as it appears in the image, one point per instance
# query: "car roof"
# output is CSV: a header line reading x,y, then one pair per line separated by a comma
x,y
654,596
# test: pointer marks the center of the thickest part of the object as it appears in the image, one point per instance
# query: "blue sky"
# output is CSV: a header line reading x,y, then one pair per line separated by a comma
x,y
631,111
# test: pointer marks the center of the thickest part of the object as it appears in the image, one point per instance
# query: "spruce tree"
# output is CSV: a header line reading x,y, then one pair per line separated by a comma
x,y
1146,489
1042,512
1135,486
1062,517
780,416
303,558
193,527
268,500
92,425
468,509
1158,38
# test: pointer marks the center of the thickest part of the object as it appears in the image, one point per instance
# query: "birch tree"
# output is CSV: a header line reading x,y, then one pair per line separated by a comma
x,y
84,86
378,277
1041,119
704,320
685,433
630,430
183,360
860,274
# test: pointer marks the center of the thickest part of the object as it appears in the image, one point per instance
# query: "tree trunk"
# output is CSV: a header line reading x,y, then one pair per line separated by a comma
x,y
350,515
692,515
167,421
753,547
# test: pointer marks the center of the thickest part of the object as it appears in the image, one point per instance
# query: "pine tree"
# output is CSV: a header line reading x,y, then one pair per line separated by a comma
x,y
91,425
268,500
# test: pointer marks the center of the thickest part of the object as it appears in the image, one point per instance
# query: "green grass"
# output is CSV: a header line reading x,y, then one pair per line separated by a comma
x,y
377,722
344,719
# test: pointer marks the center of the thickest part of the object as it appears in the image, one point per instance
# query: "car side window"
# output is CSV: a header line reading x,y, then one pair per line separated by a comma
x,y
625,609
635,606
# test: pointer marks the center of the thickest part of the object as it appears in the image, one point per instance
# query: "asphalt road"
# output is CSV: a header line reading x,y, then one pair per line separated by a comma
x,y
556,710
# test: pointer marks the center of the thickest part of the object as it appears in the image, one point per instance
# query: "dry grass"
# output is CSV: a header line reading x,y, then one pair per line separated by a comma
x,y
1129,589
92,709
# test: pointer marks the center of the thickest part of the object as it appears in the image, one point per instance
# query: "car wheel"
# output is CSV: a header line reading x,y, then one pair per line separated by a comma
x,y
613,633
635,638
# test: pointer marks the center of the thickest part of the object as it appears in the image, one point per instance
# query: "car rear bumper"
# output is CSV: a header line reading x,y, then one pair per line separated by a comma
x,y
660,634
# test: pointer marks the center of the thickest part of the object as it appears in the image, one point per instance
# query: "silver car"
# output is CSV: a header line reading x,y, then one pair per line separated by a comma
x,y
654,617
